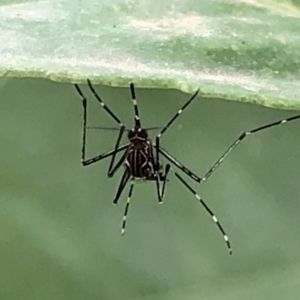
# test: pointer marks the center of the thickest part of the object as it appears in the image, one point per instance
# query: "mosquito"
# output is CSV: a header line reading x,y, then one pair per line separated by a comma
x,y
141,156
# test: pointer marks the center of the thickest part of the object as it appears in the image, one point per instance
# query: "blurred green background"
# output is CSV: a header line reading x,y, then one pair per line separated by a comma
x,y
60,233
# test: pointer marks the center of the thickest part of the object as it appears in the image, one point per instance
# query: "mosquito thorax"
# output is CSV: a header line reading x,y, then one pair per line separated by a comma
x,y
137,133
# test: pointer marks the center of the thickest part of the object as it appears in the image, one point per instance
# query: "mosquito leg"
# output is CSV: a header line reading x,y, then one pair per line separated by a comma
x,y
179,165
118,165
137,119
103,104
220,227
127,207
156,165
122,129
165,179
121,186
117,149
157,181
84,104
103,155
164,129
157,148
241,137
156,171
159,178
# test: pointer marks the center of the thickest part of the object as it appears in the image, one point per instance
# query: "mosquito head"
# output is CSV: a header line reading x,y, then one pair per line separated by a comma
x,y
137,134
137,121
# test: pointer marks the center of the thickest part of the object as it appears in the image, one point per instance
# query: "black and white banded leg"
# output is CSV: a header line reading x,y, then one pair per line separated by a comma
x,y
127,206
103,104
162,178
121,132
118,164
179,112
137,119
241,137
111,168
209,211
162,192
121,186
165,179
84,104
157,174
164,129
178,164
99,157
122,127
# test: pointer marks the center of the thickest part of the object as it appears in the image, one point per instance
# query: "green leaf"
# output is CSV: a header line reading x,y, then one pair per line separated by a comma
x,y
235,50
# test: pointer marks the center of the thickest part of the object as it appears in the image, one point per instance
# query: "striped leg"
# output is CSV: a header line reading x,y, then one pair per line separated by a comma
x,y
84,104
179,165
103,155
241,137
103,104
111,168
137,120
112,153
127,207
157,172
118,164
164,129
122,127
165,179
209,211
121,186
